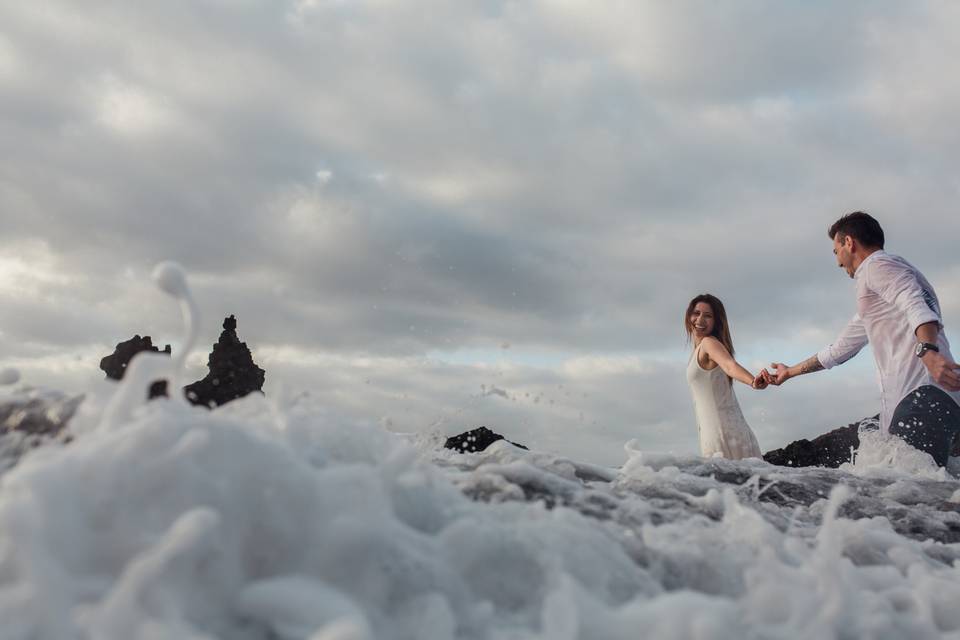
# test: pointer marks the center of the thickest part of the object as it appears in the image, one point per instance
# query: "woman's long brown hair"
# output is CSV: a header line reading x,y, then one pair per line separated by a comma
x,y
721,328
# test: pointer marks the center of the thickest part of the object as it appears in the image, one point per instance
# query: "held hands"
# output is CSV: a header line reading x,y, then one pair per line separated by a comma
x,y
944,371
762,380
777,377
780,373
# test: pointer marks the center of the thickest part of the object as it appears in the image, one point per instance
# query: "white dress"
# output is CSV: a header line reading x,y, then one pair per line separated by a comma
x,y
720,421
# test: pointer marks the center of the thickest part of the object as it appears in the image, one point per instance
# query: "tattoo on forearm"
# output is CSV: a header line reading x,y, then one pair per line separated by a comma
x,y
810,365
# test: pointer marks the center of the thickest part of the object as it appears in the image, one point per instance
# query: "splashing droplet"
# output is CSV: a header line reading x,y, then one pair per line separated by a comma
x,y
171,278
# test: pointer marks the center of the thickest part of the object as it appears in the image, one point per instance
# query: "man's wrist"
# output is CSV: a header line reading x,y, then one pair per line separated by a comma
x,y
809,365
923,348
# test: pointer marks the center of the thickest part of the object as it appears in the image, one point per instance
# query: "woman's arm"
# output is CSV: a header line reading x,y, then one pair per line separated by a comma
x,y
719,354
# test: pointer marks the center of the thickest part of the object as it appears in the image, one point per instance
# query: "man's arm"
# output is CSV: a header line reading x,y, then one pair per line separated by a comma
x,y
943,370
782,373
928,332
851,340
897,284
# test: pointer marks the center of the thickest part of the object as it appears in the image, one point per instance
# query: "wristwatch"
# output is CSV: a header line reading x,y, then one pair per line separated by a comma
x,y
923,347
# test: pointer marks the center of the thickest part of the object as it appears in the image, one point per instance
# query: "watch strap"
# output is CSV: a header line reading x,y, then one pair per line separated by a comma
x,y
923,347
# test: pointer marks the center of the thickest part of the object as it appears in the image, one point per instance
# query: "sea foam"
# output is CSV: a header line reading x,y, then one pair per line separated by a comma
x,y
275,518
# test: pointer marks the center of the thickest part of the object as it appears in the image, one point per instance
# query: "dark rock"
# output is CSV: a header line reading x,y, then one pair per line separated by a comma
x,y
115,364
232,371
829,450
475,440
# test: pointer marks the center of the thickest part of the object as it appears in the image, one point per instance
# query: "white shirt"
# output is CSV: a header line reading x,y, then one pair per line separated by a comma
x,y
893,299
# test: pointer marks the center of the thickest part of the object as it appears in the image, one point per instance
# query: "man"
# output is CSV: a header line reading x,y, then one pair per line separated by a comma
x,y
898,313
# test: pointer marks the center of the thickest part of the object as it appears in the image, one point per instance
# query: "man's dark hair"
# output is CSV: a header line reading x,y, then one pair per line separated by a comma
x,y
861,226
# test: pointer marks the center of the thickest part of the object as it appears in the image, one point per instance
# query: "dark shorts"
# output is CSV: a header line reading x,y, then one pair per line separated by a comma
x,y
928,419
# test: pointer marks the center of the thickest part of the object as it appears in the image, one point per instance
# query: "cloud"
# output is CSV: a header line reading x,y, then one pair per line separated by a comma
x,y
392,180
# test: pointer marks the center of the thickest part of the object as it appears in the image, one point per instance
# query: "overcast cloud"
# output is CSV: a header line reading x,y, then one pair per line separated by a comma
x,y
408,204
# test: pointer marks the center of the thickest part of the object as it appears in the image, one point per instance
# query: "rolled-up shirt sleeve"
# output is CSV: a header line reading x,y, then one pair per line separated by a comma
x,y
851,340
897,284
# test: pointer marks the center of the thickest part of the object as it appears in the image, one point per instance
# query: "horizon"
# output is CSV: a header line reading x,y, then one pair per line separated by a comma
x,y
407,205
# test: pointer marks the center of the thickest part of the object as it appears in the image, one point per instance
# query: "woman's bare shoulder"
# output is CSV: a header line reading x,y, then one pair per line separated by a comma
x,y
710,341
712,346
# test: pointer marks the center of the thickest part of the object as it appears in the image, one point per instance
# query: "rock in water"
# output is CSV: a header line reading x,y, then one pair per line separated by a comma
x,y
829,450
232,371
115,364
475,440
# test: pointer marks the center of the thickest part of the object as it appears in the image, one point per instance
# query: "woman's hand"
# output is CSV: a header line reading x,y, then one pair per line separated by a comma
x,y
762,380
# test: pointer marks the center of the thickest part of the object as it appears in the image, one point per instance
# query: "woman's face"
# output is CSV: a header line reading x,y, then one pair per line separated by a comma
x,y
701,319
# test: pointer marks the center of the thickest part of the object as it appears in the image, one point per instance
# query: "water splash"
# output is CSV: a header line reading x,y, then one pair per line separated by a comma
x,y
147,367
880,454
194,524
172,279
9,376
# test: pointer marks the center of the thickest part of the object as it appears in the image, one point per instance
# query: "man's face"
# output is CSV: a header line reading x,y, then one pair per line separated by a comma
x,y
843,249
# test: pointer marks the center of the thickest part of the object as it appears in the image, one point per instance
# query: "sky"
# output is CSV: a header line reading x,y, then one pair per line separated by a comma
x,y
439,215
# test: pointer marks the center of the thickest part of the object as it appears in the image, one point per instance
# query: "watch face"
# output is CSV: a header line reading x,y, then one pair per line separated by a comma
x,y
923,347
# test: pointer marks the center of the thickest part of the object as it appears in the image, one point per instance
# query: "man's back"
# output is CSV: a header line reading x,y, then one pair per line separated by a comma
x,y
898,313
893,299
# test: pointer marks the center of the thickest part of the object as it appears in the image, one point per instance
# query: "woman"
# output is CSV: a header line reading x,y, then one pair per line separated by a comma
x,y
710,373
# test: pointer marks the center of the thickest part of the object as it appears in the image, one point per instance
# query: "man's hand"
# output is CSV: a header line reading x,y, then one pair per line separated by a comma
x,y
944,371
780,374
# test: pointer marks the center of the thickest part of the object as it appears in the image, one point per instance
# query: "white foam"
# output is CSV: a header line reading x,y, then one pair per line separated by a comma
x,y
880,454
171,278
270,519
189,523
298,606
